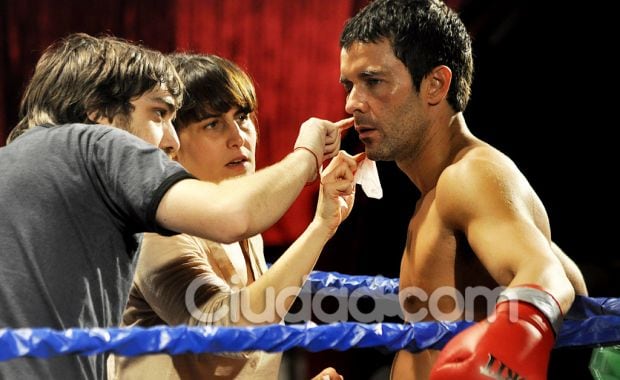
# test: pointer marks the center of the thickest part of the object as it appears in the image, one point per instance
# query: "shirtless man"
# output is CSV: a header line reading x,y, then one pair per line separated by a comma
x,y
407,68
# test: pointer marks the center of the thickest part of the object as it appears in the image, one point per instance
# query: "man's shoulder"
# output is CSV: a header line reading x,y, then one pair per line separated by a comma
x,y
481,177
69,132
479,163
82,129
100,138
94,130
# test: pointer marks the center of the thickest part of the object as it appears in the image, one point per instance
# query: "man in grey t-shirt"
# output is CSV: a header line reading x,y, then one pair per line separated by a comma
x,y
74,193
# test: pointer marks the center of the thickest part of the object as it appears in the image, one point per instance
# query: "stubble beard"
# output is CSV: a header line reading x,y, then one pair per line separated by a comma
x,y
378,154
389,149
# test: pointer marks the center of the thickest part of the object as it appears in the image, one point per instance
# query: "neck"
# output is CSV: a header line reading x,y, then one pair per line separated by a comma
x,y
444,140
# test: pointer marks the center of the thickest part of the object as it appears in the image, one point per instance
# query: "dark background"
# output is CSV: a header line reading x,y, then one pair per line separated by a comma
x,y
542,70
544,92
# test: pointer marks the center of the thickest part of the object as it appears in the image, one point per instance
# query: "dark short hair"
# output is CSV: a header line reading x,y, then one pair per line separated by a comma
x,y
423,34
213,85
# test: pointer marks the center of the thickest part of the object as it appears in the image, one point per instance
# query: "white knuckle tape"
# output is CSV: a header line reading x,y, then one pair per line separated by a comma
x,y
540,299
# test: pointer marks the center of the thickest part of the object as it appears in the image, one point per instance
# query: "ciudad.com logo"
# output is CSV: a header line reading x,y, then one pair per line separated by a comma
x,y
234,304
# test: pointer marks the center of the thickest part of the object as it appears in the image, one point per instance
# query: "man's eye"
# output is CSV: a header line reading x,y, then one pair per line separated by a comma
x,y
210,125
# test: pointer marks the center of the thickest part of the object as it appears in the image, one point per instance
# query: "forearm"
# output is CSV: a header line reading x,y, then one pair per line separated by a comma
x,y
572,271
284,279
548,274
237,208
274,189
519,254
289,271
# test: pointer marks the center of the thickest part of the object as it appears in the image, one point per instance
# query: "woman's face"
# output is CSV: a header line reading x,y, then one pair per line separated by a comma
x,y
220,146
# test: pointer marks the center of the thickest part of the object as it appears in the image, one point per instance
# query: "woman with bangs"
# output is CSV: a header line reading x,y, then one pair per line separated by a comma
x,y
186,280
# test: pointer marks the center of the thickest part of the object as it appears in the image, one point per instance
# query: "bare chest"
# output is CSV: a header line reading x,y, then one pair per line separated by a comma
x,y
439,270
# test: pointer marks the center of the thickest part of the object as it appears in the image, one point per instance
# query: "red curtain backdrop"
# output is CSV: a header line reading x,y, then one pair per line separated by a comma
x,y
27,27
290,48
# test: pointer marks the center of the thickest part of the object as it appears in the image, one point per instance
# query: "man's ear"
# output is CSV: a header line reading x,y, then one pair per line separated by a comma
x,y
436,85
97,119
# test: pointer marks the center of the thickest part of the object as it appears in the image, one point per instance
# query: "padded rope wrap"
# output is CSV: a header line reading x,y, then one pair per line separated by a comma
x,y
590,321
45,343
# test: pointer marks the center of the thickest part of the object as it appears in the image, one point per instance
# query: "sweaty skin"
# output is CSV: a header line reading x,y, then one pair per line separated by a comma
x,y
478,224
438,260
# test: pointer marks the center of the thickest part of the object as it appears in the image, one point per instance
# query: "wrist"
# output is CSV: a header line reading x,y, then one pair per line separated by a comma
x,y
315,160
321,229
536,296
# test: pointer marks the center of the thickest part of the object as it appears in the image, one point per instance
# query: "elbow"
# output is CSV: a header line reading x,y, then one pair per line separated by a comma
x,y
233,234
570,297
565,295
235,224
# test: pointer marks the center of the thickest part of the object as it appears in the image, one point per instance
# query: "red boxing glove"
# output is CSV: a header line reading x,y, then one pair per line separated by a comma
x,y
513,344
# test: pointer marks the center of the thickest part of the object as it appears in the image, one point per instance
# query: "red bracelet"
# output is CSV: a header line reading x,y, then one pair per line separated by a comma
x,y
318,165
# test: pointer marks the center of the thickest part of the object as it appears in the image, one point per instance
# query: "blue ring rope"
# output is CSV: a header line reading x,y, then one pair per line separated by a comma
x,y
590,322
374,286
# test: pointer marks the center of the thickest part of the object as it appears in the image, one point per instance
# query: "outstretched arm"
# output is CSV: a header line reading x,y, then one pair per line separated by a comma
x,y
168,267
336,198
241,207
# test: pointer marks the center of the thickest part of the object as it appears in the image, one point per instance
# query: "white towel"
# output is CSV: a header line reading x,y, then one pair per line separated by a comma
x,y
368,177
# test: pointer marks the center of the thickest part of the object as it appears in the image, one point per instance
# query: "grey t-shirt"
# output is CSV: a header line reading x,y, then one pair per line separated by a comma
x,y
73,200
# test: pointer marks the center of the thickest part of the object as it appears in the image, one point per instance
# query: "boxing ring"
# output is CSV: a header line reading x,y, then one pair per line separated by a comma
x,y
591,322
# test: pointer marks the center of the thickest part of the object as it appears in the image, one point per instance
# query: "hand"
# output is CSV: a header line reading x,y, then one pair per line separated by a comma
x,y
334,134
322,137
514,343
337,191
328,374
